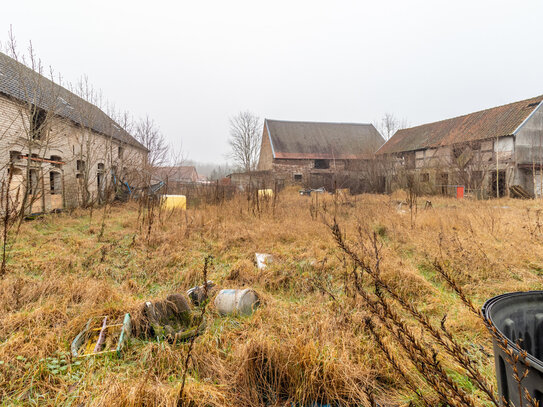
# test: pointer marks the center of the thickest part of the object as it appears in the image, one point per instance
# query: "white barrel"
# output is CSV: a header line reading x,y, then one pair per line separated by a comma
x,y
242,302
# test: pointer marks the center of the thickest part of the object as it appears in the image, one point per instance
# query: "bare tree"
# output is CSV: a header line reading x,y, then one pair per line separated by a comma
x,y
245,138
32,134
36,132
390,124
149,135
91,151
220,171
470,164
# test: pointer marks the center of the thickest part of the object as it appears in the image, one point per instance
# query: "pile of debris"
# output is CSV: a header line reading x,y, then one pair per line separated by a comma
x,y
172,319
518,191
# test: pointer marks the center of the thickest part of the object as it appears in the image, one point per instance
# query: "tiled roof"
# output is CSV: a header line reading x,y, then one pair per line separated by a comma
x,y
181,173
313,140
24,84
490,123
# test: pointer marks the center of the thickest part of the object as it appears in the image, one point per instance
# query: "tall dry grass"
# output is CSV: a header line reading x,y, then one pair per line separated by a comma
x,y
306,343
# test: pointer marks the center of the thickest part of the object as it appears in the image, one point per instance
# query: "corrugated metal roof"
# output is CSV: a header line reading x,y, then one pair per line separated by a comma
x,y
24,84
485,124
314,140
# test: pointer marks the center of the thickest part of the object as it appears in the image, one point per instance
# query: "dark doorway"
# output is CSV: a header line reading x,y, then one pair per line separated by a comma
x,y
444,182
499,186
322,164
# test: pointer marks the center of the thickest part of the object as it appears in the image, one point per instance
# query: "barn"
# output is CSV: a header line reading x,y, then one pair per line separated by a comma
x,y
492,152
317,153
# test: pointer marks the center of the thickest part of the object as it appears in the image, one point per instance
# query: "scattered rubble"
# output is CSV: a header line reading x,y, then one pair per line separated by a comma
x,y
102,339
263,260
170,319
197,294
308,192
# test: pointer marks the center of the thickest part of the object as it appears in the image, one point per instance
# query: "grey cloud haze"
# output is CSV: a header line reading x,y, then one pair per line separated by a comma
x,y
191,65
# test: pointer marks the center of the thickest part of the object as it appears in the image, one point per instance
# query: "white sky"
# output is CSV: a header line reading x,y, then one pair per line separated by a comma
x,y
191,65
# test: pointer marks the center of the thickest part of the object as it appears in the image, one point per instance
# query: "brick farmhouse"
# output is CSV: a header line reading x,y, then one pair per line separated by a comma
x,y
57,150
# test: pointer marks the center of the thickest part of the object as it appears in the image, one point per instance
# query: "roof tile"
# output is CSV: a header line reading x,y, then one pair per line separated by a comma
x,y
495,122
22,83
313,140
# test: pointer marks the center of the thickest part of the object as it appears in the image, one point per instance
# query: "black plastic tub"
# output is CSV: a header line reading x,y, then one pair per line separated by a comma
x,y
518,317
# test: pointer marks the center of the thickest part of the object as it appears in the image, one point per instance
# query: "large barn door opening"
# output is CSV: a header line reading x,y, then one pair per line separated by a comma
x,y
444,183
498,187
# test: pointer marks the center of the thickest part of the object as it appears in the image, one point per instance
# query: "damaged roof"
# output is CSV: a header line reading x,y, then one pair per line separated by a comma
x,y
314,140
490,123
24,84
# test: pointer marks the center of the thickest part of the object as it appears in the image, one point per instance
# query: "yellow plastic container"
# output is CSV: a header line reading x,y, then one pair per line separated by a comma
x,y
175,202
265,193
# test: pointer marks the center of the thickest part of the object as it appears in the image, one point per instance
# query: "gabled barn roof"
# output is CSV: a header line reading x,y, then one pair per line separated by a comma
x,y
485,124
24,84
314,140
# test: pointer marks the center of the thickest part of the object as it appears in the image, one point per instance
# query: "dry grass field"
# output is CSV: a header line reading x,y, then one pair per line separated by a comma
x,y
308,342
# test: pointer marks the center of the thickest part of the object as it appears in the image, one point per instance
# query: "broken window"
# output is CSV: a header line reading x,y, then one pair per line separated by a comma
x,y
57,160
297,177
100,176
54,182
37,123
424,177
120,151
463,153
457,151
80,165
32,182
322,164
15,155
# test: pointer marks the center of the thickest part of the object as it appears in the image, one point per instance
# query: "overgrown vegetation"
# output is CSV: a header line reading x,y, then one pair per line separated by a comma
x,y
315,337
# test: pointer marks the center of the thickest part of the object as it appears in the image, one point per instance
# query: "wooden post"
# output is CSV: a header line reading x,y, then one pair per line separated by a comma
x,y
42,191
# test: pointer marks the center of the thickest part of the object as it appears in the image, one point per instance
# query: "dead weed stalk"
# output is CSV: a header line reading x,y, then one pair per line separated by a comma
x,y
422,354
200,320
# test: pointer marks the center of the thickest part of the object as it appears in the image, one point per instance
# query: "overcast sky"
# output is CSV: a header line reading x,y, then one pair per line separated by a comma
x,y
191,65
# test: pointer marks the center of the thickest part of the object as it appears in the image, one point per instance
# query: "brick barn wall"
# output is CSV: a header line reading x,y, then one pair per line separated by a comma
x,y
288,168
